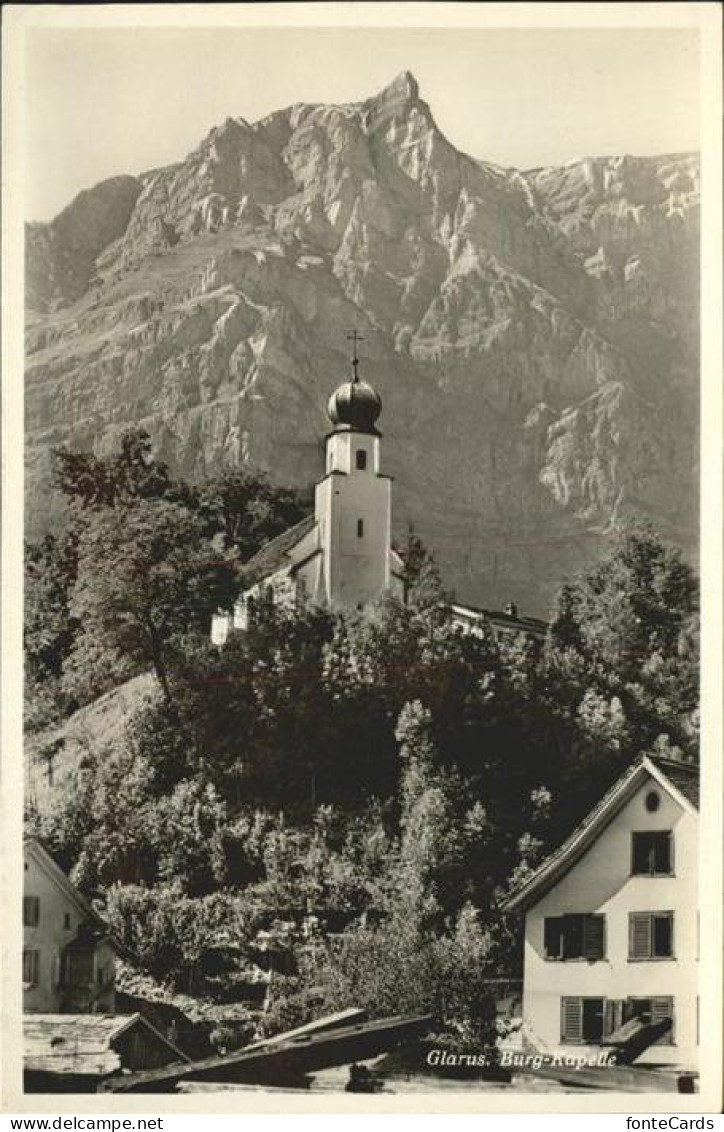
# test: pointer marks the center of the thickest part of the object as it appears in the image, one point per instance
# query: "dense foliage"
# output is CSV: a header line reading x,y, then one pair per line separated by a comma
x,y
340,799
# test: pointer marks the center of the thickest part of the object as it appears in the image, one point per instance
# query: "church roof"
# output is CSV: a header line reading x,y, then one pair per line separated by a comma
x,y
273,555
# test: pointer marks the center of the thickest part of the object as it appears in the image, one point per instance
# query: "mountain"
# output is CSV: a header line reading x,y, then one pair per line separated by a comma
x,y
533,334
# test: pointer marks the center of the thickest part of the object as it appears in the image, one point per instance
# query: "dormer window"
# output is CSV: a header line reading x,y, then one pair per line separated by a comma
x,y
361,459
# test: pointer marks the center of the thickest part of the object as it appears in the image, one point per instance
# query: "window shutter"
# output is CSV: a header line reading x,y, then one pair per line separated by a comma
x,y
663,934
639,935
572,1019
614,1015
31,911
662,853
662,1008
593,936
639,854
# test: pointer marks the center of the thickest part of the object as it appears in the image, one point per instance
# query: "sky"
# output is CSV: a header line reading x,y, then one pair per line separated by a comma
x,y
99,102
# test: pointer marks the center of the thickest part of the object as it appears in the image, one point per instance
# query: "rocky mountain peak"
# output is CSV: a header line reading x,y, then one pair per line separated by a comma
x,y
404,88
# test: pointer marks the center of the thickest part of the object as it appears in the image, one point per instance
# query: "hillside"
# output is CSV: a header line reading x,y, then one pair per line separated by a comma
x,y
533,334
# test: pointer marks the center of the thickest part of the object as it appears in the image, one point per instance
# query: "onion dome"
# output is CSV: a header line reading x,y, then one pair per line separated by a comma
x,y
355,405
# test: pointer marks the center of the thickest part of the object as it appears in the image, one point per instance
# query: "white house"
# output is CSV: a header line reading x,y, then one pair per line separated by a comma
x,y
611,921
69,958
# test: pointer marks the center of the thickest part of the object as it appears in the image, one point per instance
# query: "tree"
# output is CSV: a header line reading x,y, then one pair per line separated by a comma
x,y
146,574
632,604
130,473
622,650
49,628
244,510
422,584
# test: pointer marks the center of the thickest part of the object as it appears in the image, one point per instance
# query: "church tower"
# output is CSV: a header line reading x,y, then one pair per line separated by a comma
x,y
353,500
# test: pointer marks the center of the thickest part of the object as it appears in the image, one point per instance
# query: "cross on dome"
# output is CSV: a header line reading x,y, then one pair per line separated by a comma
x,y
354,338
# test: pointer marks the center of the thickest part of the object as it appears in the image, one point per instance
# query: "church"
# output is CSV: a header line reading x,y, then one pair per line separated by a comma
x,y
341,556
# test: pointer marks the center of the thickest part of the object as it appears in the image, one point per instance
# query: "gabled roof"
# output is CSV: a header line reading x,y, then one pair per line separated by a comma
x,y
82,1044
34,846
274,554
680,780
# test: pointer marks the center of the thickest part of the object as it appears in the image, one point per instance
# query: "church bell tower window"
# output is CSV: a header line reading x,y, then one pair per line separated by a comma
x,y
361,459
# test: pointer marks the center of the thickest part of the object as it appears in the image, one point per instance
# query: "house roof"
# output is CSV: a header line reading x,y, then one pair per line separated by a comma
x,y
35,846
82,1044
273,554
681,780
503,620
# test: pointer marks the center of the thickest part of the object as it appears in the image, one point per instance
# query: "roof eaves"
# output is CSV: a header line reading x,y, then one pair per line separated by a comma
x,y
659,773
562,859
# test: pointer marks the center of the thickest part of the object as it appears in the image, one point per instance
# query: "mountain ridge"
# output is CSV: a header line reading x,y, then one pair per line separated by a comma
x,y
216,315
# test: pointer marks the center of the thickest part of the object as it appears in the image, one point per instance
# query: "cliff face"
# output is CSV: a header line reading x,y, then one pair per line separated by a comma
x,y
533,335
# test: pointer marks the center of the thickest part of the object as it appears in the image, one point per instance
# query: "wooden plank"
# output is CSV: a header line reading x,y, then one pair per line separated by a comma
x,y
342,1018
230,1087
285,1060
616,1078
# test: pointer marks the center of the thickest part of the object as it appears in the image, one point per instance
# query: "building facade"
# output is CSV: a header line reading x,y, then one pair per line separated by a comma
x,y
69,958
611,921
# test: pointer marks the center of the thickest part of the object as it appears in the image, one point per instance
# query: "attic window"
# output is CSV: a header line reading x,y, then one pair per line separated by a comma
x,y
652,854
361,459
653,801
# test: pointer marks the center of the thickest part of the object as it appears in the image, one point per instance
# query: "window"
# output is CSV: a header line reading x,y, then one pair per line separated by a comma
x,y
360,528
653,801
361,459
652,1011
652,854
66,921
580,936
30,967
582,1020
650,935
31,911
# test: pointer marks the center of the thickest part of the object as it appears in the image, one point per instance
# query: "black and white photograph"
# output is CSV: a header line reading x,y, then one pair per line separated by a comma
x,y
359,400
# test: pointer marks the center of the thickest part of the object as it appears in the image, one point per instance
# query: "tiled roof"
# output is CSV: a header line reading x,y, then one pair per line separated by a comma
x,y
683,776
272,555
503,620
